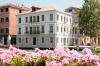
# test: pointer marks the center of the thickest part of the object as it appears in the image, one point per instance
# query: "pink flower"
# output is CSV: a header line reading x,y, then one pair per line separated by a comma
x,y
65,61
59,64
52,63
86,51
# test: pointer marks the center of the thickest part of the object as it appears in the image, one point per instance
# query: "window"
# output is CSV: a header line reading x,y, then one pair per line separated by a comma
x,y
57,17
51,39
30,30
34,18
70,31
57,28
38,31
20,11
64,29
19,20
37,18
7,30
2,30
26,18
70,10
30,19
42,29
42,17
42,39
51,28
61,29
61,18
26,29
6,10
2,10
64,20
7,19
2,19
26,40
19,31
70,20
51,17
19,40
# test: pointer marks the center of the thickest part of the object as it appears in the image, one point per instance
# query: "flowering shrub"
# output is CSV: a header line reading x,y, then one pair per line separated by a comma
x,y
56,57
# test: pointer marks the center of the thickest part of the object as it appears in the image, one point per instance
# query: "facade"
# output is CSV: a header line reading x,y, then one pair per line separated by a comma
x,y
83,40
45,28
8,14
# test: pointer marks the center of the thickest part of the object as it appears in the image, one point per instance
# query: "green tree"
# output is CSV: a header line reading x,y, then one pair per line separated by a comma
x,y
89,18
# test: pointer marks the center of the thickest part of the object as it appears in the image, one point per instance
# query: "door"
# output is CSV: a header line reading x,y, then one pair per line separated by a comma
x,y
34,40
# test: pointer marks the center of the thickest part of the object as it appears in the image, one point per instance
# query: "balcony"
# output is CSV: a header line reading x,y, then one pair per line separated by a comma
x,y
42,31
27,32
19,32
50,31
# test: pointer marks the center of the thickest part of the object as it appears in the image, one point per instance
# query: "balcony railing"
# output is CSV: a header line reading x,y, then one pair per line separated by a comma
x,y
50,31
19,32
27,32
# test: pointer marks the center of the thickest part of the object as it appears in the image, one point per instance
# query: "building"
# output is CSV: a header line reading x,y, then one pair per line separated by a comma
x,y
45,28
8,14
83,40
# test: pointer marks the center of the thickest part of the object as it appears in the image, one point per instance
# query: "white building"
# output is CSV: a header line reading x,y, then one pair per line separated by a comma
x,y
44,28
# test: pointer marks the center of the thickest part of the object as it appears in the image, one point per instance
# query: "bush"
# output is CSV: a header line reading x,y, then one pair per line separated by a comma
x,y
57,57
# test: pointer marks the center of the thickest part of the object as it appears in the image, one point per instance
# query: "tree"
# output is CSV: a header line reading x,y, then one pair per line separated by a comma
x,y
89,18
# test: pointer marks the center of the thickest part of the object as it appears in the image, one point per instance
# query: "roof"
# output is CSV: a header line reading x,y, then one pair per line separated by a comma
x,y
72,8
47,9
15,6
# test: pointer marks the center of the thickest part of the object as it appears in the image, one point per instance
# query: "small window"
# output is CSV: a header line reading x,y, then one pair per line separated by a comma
x,y
2,30
42,39
7,30
37,18
26,40
61,29
70,20
64,29
19,20
20,11
26,18
7,19
64,20
2,10
6,10
30,19
42,17
51,28
34,18
2,19
57,17
51,17
42,29
19,40
61,18
51,39
19,31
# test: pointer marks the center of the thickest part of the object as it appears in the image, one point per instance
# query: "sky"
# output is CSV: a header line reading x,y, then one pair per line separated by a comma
x,y
58,4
